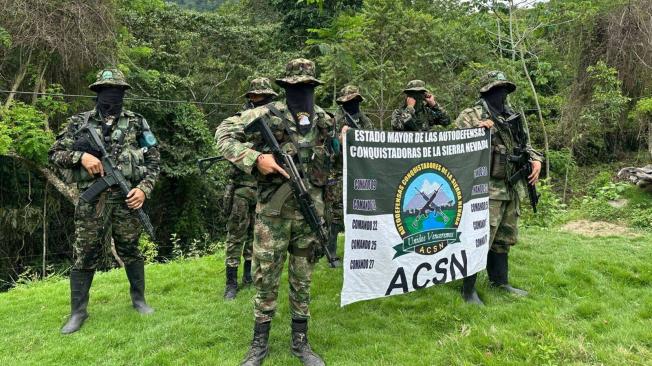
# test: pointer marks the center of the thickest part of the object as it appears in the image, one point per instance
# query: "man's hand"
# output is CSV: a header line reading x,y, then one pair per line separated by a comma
x,y
430,99
410,102
135,199
266,165
487,123
536,170
343,133
92,164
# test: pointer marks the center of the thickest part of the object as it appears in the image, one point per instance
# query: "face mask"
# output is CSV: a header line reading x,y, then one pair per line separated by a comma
x,y
109,101
300,99
419,97
268,99
496,98
352,107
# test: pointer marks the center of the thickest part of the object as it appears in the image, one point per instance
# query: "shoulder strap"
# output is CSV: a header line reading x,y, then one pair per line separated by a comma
x,y
290,133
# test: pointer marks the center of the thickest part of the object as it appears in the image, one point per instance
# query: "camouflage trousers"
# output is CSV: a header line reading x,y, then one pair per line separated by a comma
x,y
272,236
503,221
92,220
333,199
240,226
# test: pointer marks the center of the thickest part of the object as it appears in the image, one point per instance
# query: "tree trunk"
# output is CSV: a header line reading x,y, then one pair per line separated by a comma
x,y
649,137
67,191
22,71
45,228
39,84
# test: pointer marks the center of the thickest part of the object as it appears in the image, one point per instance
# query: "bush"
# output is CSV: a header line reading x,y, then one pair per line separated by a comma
x,y
550,210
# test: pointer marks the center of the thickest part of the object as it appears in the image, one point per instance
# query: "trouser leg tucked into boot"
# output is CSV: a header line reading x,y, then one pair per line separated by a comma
x,y
259,345
300,346
499,274
80,284
136,275
469,293
246,276
231,288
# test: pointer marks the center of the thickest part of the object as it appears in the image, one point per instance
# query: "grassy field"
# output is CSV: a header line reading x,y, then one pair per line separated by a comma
x,y
590,304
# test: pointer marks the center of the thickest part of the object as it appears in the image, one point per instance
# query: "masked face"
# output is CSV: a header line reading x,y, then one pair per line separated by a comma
x,y
496,98
352,107
418,96
260,100
300,99
109,101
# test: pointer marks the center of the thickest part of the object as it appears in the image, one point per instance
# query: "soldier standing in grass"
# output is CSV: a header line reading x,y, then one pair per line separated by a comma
x,y
304,131
348,114
492,111
129,139
421,112
240,202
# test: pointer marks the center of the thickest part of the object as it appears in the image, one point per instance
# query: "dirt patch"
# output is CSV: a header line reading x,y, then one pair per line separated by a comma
x,y
598,228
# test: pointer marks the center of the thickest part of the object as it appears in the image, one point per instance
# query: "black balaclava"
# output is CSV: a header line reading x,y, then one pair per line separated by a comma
x,y
268,99
300,99
352,107
419,96
109,101
496,99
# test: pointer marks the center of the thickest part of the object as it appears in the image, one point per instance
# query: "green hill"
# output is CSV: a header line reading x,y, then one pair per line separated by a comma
x,y
590,303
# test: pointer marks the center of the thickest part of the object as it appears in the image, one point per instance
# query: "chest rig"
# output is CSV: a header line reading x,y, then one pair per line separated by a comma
x,y
502,143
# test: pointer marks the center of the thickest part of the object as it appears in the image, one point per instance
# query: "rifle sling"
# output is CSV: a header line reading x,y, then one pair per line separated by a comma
x,y
292,136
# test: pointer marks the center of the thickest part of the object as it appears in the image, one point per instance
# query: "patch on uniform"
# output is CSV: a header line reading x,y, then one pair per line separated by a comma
x,y
106,75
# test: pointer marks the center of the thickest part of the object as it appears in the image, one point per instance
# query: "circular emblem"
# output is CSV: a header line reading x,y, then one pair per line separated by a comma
x,y
427,209
107,75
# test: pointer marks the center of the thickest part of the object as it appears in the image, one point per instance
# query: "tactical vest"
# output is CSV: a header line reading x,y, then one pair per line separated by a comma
x,y
502,143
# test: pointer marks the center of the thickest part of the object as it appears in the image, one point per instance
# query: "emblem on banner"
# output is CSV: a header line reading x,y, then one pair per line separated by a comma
x,y
427,210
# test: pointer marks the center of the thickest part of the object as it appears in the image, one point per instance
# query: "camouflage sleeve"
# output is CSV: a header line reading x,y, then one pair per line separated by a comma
x,y
231,143
469,118
365,123
403,119
534,154
61,153
438,116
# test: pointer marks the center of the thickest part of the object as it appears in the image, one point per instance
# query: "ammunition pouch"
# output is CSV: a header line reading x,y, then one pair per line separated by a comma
x,y
499,158
276,202
312,253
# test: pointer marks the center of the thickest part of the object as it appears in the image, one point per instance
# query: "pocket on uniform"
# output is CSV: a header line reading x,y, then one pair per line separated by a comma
x,y
499,162
318,172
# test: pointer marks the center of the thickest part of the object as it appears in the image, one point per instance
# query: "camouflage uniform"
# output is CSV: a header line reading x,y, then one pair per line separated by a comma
x,y
280,227
242,214
421,118
108,215
504,199
335,188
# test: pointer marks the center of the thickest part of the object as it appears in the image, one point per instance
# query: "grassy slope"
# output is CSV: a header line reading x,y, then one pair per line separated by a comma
x,y
590,303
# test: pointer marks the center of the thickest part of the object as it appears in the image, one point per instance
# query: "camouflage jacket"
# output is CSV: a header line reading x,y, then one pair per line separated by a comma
x,y
363,122
140,166
315,154
501,140
236,176
410,119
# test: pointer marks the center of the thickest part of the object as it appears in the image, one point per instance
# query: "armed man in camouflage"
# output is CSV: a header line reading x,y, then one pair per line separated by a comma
x,y
303,130
240,202
420,111
348,115
492,111
129,139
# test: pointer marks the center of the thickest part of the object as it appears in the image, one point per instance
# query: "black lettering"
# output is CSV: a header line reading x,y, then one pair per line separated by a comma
x,y
415,276
440,270
461,266
399,275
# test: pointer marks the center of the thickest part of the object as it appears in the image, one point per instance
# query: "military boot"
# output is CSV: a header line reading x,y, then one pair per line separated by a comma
x,y
334,231
136,275
259,345
499,273
469,293
246,276
301,347
231,288
80,284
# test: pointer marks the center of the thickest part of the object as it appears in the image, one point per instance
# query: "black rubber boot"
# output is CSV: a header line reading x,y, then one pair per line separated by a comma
x,y
80,284
231,288
300,346
333,232
259,345
246,275
136,275
469,293
500,275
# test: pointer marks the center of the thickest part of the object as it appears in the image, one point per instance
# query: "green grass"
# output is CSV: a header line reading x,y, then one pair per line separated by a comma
x,y
590,303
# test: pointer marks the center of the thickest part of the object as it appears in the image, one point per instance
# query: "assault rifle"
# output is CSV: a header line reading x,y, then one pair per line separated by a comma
x,y
521,158
205,163
299,190
112,177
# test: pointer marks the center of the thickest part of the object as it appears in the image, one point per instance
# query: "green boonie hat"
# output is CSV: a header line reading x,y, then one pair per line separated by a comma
x,y
494,79
416,85
299,71
109,77
260,86
349,93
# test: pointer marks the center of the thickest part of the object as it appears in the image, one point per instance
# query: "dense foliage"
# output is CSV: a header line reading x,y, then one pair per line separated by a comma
x,y
582,70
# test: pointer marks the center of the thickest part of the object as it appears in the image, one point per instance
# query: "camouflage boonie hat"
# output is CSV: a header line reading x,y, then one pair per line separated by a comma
x,y
416,85
299,71
349,93
109,77
260,86
494,79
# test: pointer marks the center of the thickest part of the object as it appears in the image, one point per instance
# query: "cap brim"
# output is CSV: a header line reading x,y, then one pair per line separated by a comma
x,y
511,87
260,92
99,85
417,89
349,97
292,80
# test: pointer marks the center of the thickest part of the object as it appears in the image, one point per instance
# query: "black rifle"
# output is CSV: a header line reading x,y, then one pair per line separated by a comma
x,y
521,158
299,190
112,177
205,163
